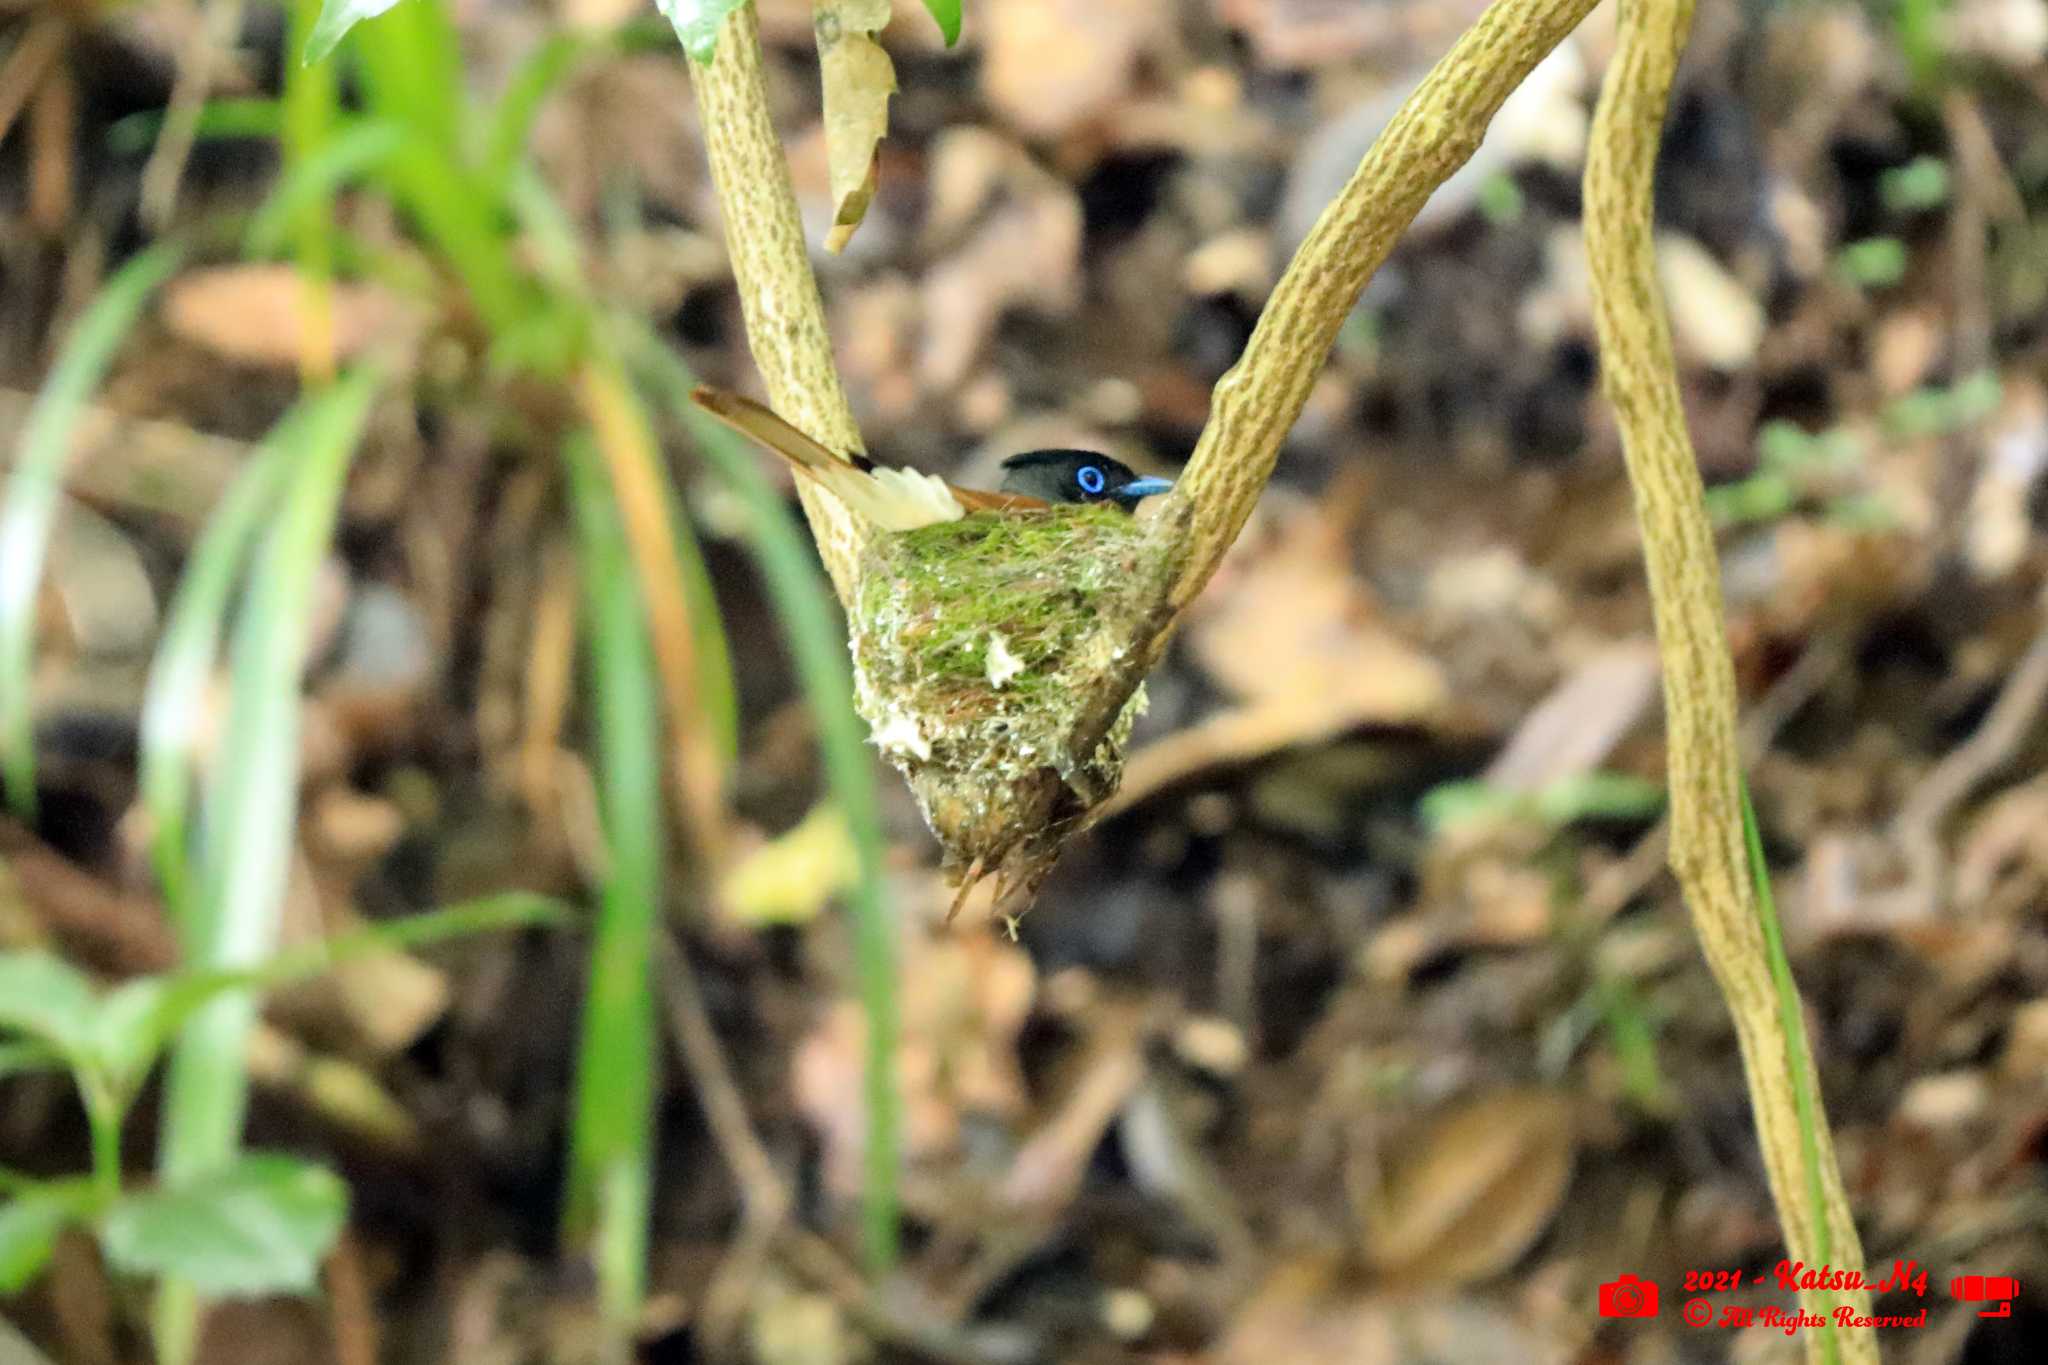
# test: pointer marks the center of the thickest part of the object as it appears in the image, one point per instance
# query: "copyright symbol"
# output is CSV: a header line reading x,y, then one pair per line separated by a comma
x,y
1697,1312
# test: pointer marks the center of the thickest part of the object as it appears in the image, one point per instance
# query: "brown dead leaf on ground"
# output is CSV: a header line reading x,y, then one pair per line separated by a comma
x,y
1305,34
1574,729
1310,1310
1025,253
964,1000
1288,629
1288,622
1053,64
257,314
858,81
1474,1191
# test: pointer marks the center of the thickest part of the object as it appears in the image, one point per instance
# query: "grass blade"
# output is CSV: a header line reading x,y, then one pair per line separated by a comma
x,y
817,642
30,508
661,548
299,203
134,134
519,103
173,707
1799,1064
611,1134
250,815
301,207
412,76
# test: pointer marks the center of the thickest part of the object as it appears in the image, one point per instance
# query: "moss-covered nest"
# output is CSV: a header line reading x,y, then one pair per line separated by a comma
x,y
991,659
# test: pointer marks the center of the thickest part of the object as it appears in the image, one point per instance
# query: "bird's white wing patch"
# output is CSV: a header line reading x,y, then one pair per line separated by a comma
x,y
894,499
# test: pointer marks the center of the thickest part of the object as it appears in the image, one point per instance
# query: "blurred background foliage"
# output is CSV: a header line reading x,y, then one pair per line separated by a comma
x,y
359,558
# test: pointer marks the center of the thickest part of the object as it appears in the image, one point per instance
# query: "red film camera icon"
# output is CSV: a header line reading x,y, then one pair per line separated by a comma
x,y
1984,1288
1628,1297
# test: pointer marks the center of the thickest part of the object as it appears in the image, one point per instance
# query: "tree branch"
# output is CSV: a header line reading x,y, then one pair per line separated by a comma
x,y
778,293
1432,134
1709,851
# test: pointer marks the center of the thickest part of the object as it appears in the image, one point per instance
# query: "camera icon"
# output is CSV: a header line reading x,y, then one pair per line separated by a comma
x,y
1628,1297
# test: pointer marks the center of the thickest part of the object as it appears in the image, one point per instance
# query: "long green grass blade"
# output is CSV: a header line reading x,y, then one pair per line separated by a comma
x,y
318,157
1799,1060
250,814
136,133
412,76
611,1132
817,642
519,103
173,707
170,1001
30,506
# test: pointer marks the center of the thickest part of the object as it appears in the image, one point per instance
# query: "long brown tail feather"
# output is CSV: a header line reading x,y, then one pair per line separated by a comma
x,y
752,420
810,457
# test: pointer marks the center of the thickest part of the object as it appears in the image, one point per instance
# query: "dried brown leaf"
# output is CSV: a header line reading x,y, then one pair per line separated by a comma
x,y
1288,622
964,1001
1309,1310
1477,1188
858,79
258,314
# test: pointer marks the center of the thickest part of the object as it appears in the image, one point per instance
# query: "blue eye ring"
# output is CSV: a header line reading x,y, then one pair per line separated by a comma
x,y
1091,479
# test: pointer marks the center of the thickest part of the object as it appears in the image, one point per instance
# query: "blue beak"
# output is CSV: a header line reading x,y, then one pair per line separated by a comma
x,y
1142,488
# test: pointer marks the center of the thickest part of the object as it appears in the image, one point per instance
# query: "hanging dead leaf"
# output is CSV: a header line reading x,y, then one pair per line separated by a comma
x,y
1478,1187
858,81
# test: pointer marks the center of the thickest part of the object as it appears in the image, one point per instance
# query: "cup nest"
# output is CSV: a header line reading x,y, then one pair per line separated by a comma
x,y
993,660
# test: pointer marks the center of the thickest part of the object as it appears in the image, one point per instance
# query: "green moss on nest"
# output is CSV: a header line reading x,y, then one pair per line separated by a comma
x,y
1008,755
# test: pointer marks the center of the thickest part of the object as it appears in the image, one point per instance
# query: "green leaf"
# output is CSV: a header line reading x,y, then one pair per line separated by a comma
x,y
19,1059
697,22
250,812
1940,411
259,118
947,12
47,998
29,1226
611,1134
174,712
258,1226
1600,796
1874,262
346,155
129,1031
337,17
30,507
1920,184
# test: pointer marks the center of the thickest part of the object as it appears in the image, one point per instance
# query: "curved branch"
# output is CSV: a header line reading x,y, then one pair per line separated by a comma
x,y
1708,837
779,297
1434,132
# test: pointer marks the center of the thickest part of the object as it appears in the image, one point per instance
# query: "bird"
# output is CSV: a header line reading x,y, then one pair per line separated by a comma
x,y
906,500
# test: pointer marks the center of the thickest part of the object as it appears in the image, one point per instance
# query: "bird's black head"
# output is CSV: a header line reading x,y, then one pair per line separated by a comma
x,y
1077,476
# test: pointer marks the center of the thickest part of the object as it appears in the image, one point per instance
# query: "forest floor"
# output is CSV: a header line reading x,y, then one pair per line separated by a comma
x,y
1368,1027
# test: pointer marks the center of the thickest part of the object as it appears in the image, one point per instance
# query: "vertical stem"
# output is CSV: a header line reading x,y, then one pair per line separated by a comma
x,y
779,297
785,319
310,94
103,1117
1709,844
